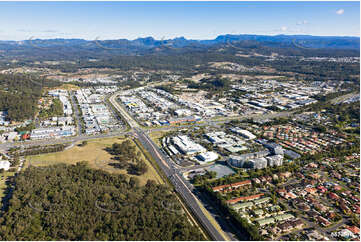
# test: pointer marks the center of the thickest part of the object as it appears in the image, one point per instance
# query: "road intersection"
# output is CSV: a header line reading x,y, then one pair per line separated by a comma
x,y
170,171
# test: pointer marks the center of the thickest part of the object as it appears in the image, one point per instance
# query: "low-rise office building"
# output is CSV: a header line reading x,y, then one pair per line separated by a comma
x,y
244,133
186,146
208,156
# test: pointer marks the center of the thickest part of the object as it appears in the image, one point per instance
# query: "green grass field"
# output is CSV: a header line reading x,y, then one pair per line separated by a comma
x,y
3,186
96,156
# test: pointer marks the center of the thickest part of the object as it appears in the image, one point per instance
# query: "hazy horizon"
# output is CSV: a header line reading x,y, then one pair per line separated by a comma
x,y
192,20
32,37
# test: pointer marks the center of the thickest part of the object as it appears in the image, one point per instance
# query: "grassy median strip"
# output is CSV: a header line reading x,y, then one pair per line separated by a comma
x,y
152,162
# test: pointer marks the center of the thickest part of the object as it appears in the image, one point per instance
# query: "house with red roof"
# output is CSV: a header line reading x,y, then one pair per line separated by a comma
x,y
353,229
337,187
356,199
282,192
333,196
25,136
324,222
290,195
311,190
322,189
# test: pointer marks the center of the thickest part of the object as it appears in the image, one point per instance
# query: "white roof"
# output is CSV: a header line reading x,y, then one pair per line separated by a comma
x,y
209,156
4,164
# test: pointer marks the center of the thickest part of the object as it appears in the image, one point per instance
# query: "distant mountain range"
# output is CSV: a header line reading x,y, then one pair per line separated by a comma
x,y
226,45
299,41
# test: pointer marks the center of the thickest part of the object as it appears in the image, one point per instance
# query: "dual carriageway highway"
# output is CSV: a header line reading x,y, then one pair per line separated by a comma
x,y
170,171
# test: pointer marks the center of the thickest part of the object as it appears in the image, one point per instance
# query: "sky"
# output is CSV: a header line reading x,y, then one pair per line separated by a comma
x,y
165,20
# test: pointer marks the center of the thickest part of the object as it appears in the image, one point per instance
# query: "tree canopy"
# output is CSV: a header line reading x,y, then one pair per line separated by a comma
x,y
75,202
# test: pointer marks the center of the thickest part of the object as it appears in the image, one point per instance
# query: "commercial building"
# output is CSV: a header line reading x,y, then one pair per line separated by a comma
x,y
235,149
274,160
186,146
4,164
257,163
96,115
3,118
244,133
52,132
252,160
208,156
273,156
274,148
184,119
183,112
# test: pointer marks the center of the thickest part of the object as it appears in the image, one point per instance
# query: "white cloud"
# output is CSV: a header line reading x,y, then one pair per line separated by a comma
x,y
340,11
302,22
281,29
49,31
288,30
37,31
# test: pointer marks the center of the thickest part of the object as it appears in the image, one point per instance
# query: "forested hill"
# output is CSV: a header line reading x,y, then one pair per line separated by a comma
x,y
19,95
77,203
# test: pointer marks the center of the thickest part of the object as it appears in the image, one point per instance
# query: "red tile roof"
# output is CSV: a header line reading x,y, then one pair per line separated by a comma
x,y
337,187
323,221
218,188
237,184
333,196
242,183
311,190
353,229
245,198
322,189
